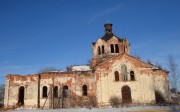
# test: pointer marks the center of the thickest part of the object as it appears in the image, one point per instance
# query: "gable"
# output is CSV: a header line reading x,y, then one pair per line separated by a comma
x,y
127,58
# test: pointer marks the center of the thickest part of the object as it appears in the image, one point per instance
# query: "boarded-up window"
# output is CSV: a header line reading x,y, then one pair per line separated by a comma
x,y
84,88
116,75
102,49
55,91
117,48
112,48
44,91
132,76
124,72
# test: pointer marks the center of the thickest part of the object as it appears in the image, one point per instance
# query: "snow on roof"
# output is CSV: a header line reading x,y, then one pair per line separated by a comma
x,y
56,71
154,67
81,68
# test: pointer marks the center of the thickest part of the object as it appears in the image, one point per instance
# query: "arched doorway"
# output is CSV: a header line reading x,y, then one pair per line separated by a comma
x,y
21,96
126,94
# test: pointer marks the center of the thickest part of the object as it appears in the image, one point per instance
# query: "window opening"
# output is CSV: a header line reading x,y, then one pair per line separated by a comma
x,y
99,50
117,48
116,76
55,92
102,49
84,88
44,91
65,91
132,75
112,48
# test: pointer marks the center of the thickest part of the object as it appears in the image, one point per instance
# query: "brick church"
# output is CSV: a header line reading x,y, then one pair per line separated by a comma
x,y
112,73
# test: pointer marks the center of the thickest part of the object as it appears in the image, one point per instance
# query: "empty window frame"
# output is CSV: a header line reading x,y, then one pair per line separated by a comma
x,y
55,91
102,49
117,48
65,92
116,75
99,51
44,90
112,48
84,89
132,75
124,49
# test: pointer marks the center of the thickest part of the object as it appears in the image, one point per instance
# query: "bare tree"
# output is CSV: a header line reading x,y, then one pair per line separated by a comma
x,y
149,61
157,64
174,74
89,62
2,90
172,65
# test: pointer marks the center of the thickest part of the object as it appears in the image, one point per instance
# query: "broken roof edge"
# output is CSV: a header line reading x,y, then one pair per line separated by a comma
x,y
152,65
106,40
107,37
82,67
18,75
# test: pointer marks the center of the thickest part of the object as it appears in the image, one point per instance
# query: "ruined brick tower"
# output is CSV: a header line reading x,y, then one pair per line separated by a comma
x,y
101,49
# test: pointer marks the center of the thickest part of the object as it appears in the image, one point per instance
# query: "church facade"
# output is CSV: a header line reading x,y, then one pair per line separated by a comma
x,y
113,73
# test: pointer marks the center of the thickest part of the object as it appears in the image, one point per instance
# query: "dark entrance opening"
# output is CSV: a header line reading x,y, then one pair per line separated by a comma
x,y
126,94
159,97
21,96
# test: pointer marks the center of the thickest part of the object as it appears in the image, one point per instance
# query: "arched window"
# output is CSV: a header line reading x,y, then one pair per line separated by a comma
x,y
124,72
44,91
116,75
84,88
65,91
124,49
112,48
102,49
132,76
117,48
99,50
55,91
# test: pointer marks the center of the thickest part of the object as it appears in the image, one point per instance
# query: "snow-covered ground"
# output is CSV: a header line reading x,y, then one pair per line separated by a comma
x,y
124,109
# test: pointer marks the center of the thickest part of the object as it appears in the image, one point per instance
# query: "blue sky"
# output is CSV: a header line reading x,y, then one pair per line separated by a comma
x,y
36,34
